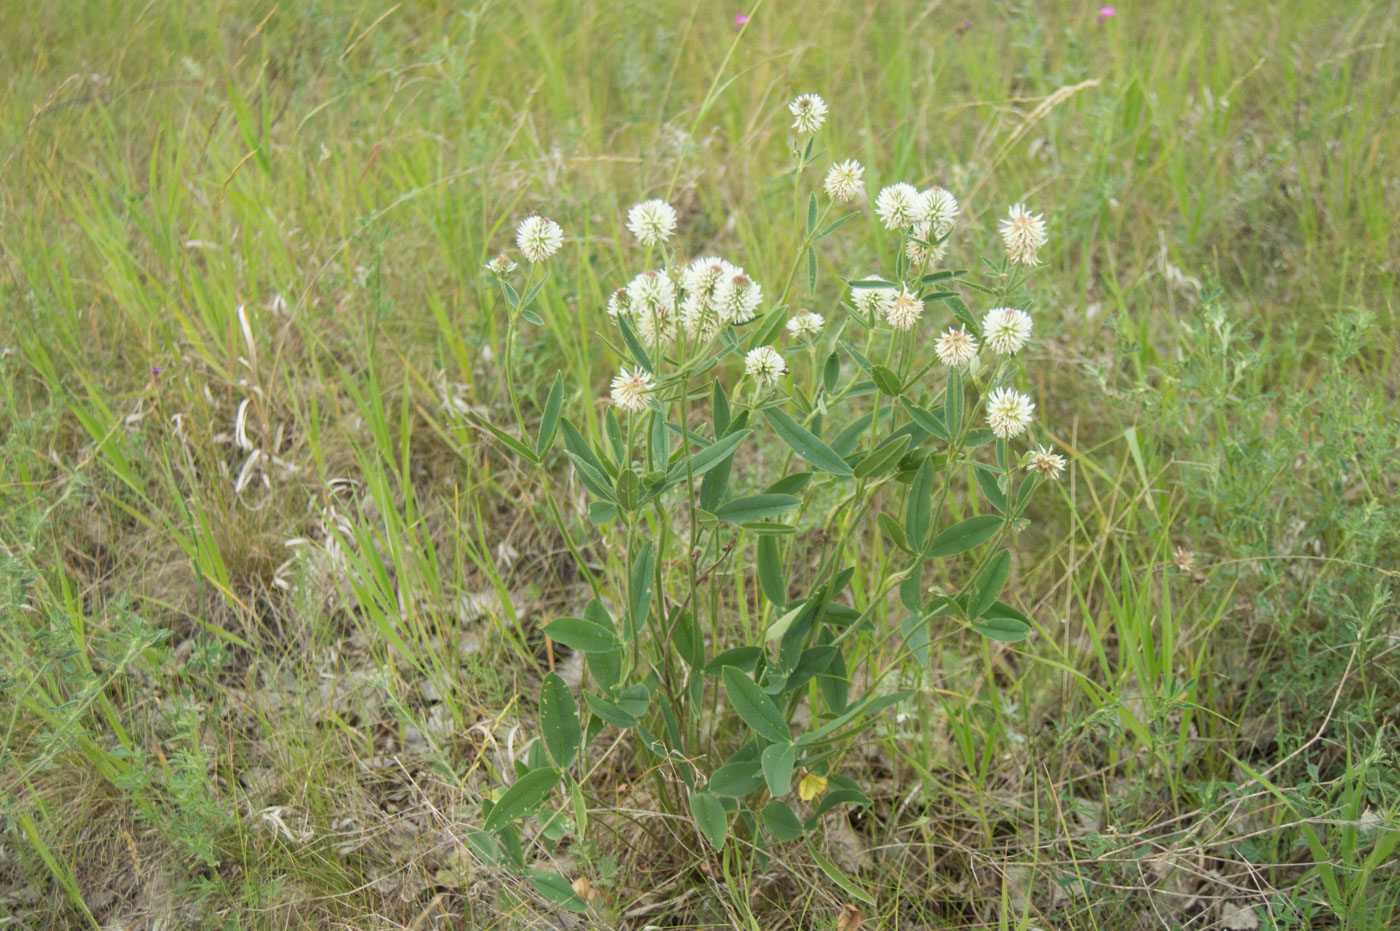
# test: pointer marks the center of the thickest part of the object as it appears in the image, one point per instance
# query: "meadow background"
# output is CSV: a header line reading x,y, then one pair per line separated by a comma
x,y
271,597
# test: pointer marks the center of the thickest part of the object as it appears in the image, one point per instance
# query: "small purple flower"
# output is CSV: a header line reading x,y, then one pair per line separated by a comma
x,y
157,369
740,19
1106,13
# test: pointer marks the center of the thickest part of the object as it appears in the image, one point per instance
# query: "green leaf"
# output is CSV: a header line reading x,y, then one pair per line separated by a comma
x,y
862,284
831,372
883,459
781,822
709,818
989,583
575,443
634,345
918,509
709,457
963,536
1003,622
559,720
812,662
643,565
756,507
953,403
581,634
777,761
779,628
745,658
990,483
529,316
770,571
515,445
885,380
1003,629
806,444
841,879
557,889
719,407
611,712
549,421
755,708
834,225
811,212
530,295
524,796
811,270
735,779
928,421
594,479
627,490
891,529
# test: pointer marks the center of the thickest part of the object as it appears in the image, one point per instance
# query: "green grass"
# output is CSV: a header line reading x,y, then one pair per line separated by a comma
x,y
272,694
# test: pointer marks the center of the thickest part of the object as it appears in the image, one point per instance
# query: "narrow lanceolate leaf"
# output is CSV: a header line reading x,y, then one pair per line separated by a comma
x,y
834,225
515,445
883,459
953,403
770,571
557,889
963,536
811,213
811,270
781,822
778,761
885,380
523,797
559,720
755,708
709,457
990,483
1002,629
641,584
582,634
927,420
918,510
634,345
756,507
709,818
806,444
989,583
549,422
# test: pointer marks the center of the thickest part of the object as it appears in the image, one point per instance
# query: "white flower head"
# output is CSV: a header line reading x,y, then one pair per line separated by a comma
x,y
619,303
1006,330
1008,412
921,254
765,365
699,280
805,325
737,298
1023,233
538,238
872,302
955,348
809,113
652,290
844,181
904,310
652,221
656,327
900,206
631,389
942,210
500,266
1047,463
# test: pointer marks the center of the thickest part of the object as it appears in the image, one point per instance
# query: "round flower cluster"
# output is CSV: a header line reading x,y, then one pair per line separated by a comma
x,y
538,238
652,221
1023,234
809,113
